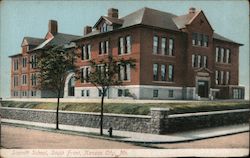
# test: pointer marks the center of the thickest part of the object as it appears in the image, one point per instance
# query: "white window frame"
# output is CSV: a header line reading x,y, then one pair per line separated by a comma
x,y
163,46
128,44
15,81
24,62
33,79
121,46
24,79
205,61
125,72
216,77
217,54
171,46
107,47
155,44
221,77
222,52
227,77
163,73
227,55
199,61
155,72
193,60
171,73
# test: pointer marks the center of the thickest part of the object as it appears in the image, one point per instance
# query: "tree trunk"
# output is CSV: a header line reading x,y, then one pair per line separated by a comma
x,y
57,110
101,116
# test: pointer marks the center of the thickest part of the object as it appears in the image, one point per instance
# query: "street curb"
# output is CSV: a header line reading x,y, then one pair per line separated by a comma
x,y
90,135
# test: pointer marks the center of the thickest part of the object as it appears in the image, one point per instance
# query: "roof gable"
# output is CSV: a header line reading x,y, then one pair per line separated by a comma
x,y
187,19
200,16
108,20
57,39
32,41
49,35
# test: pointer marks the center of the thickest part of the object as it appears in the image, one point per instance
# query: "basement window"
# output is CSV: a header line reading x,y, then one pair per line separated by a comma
x,y
171,93
87,93
155,93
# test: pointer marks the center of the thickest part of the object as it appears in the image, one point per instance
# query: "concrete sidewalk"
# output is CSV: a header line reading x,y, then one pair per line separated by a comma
x,y
133,137
129,100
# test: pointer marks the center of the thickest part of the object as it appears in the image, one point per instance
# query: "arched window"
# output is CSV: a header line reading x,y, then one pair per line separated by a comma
x,y
71,87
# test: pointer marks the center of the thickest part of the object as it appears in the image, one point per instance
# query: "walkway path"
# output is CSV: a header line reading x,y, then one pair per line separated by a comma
x,y
81,100
134,137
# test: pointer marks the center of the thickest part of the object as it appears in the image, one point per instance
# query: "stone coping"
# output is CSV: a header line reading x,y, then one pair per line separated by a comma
x,y
208,113
75,112
159,109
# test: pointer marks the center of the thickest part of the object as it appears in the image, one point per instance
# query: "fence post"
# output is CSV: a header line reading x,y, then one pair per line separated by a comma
x,y
159,120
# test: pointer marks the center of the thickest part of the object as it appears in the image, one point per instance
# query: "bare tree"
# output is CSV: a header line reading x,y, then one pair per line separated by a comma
x,y
54,65
105,73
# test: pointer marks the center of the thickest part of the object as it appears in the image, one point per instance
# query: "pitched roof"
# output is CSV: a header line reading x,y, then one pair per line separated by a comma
x,y
58,39
62,38
183,20
222,38
33,40
145,16
15,55
95,32
110,20
150,17
156,18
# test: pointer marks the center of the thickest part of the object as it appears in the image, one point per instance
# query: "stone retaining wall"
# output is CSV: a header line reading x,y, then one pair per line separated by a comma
x,y
189,121
158,122
135,123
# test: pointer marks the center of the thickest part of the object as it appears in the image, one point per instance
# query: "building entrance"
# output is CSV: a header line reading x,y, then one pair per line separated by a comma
x,y
71,87
203,89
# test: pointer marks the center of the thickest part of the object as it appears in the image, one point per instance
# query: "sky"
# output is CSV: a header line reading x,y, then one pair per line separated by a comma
x,y
30,18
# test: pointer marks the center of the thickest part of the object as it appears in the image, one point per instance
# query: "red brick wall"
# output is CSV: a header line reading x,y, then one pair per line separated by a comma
x,y
142,51
148,58
113,38
202,28
233,67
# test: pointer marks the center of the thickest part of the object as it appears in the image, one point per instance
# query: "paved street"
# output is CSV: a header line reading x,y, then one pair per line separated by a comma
x,y
240,140
16,137
22,138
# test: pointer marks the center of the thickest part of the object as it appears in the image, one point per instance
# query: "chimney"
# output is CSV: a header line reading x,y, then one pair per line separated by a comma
x,y
191,10
53,27
87,30
113,13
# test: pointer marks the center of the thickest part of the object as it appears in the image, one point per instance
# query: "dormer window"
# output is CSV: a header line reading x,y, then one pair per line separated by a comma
x,y
104,27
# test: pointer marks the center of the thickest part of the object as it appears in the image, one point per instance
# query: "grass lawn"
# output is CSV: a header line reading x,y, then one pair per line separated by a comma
x,y
136,108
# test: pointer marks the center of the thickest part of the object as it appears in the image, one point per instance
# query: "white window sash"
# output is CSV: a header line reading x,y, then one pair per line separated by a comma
x,y
171,46
227,56
199,61
204,61
122,72
121,45
128,72
128,43
163,46
193,59
221,77
227,77
155,44
107,47
222,55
